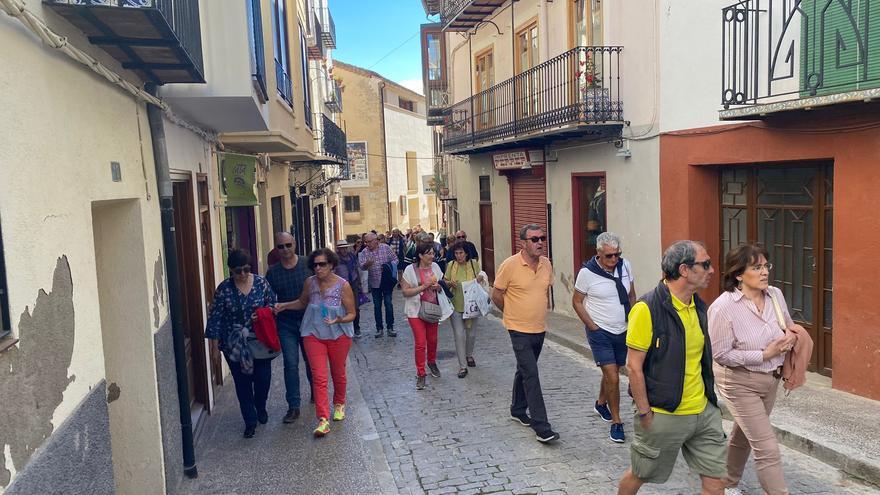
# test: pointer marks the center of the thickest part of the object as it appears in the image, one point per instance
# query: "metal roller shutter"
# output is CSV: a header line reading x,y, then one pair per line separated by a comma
x,y
528,195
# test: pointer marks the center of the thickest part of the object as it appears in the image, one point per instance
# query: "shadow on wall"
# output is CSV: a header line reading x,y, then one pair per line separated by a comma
x,y
33,374
158,289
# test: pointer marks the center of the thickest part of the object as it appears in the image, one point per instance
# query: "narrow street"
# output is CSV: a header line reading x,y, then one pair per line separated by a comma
x,y
452,437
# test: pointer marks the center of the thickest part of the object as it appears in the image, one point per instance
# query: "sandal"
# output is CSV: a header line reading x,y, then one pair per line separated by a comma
x,y
462,372
471,362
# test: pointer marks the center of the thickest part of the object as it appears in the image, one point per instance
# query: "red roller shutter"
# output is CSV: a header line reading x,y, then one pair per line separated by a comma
x,y
528,199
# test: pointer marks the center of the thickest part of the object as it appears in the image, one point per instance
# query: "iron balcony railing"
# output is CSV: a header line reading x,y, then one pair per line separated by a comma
x,y
282,81
780,50
333,142
578,87
314,41
463,15
328,27
334,96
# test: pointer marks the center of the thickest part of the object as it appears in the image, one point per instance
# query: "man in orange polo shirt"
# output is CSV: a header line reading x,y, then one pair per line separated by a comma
x,y
521,292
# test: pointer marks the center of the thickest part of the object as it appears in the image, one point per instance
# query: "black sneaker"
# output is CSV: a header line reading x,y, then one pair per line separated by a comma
x,y
435,371
378,333
249,431
547,437
263,417
522,419
391,332
291,415
420,382
602,410
462,372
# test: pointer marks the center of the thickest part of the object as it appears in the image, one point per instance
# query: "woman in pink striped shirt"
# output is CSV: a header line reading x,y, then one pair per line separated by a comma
x,y
749,346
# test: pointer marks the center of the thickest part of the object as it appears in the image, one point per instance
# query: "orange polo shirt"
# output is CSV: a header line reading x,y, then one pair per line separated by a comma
x,y
525,293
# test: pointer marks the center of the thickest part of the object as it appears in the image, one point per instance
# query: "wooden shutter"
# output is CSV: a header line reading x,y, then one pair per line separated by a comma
x,y
528,198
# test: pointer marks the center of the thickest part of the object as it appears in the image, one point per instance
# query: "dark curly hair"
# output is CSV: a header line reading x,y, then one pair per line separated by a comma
x,y
238,258
460,245
332,257
738,260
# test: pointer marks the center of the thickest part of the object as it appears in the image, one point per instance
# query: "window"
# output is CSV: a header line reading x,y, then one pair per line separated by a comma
x,y
307,88
281,49
258,60
526,87
352,204
407,104
586,23
5,324
412,172
277,214
485,191
484,73
402,202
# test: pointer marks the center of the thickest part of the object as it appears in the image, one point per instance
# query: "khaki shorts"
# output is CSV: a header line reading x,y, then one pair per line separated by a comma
x,y
699,437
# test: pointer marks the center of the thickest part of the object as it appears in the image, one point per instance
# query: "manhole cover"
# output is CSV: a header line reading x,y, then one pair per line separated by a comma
x,y
445,354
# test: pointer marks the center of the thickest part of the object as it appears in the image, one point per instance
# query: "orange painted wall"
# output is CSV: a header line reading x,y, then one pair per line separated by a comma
x,y
689,203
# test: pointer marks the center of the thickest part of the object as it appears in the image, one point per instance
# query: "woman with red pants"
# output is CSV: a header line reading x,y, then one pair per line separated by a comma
x,y
420,283
326,331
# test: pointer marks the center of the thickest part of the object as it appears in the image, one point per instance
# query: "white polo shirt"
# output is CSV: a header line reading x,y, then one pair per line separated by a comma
x,y
601,301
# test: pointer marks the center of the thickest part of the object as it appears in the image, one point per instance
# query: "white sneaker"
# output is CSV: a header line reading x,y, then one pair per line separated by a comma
x,y
733,491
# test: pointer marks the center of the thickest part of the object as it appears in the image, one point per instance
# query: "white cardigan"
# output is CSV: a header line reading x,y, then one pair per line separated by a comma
x,y
412,304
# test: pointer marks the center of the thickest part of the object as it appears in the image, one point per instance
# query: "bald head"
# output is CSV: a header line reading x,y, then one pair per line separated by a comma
x,y
285,244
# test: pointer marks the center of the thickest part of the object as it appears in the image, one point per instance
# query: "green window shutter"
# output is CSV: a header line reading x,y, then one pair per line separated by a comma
x,y
836,44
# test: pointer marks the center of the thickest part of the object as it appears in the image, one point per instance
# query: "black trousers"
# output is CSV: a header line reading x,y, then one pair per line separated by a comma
x,y
526,383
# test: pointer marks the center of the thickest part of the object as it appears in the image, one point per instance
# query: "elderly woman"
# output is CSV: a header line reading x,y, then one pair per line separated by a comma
x,y
421,283
231,322
327,331
749,346
462,269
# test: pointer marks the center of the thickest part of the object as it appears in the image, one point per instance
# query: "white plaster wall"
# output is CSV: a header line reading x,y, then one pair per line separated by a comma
x,y
406,131
64,126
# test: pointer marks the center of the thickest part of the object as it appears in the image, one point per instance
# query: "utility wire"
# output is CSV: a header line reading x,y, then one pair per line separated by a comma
x,y
398,47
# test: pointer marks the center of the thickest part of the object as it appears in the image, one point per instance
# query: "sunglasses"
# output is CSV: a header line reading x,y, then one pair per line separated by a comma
x,y
461,237
705,264
284,246
322,264
538,239
612,255
241,269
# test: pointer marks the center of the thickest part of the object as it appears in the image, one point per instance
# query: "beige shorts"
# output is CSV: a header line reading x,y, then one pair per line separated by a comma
x,y
699,437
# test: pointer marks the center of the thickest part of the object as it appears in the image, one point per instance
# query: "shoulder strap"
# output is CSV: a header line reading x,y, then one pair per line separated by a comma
x,y
780,318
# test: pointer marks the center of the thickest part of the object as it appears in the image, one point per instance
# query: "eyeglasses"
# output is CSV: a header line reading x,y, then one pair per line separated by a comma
x,y
705,264
322,264
284,246
758,268
535,238
612,255
241,269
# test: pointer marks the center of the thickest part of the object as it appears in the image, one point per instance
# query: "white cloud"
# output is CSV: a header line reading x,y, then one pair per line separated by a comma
x,y
413,84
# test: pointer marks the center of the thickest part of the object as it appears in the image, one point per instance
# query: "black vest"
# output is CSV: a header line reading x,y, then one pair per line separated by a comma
x,y
665,361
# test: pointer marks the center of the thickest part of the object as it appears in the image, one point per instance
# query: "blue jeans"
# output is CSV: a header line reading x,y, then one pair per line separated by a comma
x,y
252,390
380,296
291,347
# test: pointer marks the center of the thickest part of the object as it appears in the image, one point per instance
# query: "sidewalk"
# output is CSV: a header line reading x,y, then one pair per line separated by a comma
x,y
835,427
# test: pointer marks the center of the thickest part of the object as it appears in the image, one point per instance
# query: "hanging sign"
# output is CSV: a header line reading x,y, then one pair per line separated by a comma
x,y
238,175
513,160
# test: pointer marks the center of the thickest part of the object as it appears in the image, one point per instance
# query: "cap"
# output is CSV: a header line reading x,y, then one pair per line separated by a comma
x,y
342,243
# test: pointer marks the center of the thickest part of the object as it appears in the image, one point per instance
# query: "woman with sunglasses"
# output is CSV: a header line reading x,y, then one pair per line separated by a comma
x,y
231,322
421,283
327,330
749,346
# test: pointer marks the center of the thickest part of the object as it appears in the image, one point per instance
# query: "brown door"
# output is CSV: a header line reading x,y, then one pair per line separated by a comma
x,y
487,240
484,76
208,282
528,200
590,219
188,260
788,210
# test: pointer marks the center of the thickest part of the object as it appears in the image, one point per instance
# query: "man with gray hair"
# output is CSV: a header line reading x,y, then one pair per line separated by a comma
x,y
372,258
604,293
670,376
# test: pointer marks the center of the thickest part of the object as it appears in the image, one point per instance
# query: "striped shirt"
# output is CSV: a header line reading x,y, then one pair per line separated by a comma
x,y
379,257
740,333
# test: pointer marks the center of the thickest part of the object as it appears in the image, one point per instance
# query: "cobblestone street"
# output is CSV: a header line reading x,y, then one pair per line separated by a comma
x,y
456,436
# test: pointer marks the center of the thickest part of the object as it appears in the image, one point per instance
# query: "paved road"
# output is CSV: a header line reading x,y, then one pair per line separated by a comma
x,y
455,436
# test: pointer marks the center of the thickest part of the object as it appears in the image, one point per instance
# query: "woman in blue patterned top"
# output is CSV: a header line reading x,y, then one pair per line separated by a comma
x,y
327,330
231,322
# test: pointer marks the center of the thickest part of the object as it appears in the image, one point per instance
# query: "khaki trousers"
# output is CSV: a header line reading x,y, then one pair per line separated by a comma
x,y
750,397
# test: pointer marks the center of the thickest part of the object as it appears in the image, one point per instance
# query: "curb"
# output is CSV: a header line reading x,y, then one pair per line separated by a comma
x,y
865,472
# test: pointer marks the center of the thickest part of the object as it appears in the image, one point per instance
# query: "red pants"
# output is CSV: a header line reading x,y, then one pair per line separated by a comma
x,y
319,352
425,335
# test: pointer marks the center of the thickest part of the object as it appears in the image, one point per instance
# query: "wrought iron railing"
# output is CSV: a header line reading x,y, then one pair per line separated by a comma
x,y
283,82
334,96
328,27
333,142
778,50
451,8
580,86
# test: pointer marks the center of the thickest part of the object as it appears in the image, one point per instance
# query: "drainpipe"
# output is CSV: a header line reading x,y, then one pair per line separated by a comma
x,y
384,148
166,207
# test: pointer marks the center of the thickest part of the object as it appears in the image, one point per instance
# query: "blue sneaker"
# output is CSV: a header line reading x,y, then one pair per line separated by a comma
x,y
617,433
603,411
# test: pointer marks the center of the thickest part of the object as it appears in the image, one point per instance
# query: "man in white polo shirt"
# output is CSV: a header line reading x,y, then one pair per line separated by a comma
x,y
604,294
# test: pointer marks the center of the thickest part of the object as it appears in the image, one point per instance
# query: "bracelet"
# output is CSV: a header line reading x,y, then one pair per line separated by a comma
x,y
641,416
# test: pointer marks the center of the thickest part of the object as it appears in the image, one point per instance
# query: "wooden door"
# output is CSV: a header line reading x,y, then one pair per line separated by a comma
x,y
788,210
487,240
484,67
589,214
188,261
208,282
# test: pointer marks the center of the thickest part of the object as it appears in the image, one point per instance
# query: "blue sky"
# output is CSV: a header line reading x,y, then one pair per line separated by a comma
x,y
367,30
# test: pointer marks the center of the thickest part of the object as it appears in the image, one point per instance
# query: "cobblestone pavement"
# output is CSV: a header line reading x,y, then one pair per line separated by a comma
x,y
456,436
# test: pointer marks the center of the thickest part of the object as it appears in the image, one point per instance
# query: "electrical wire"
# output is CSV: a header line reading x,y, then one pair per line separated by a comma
x,y
398,47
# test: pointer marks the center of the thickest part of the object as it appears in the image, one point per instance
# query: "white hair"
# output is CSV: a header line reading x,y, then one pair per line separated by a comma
x,y
608,239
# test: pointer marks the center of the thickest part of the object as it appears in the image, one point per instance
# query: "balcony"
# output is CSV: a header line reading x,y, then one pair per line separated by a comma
x,y
328,27
432,7
282,80
330,141
160,40
796,55
333,99
462,15
314,41
575,94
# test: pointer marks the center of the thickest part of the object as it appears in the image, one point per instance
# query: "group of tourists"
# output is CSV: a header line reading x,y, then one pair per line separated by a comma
x,y
675,348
